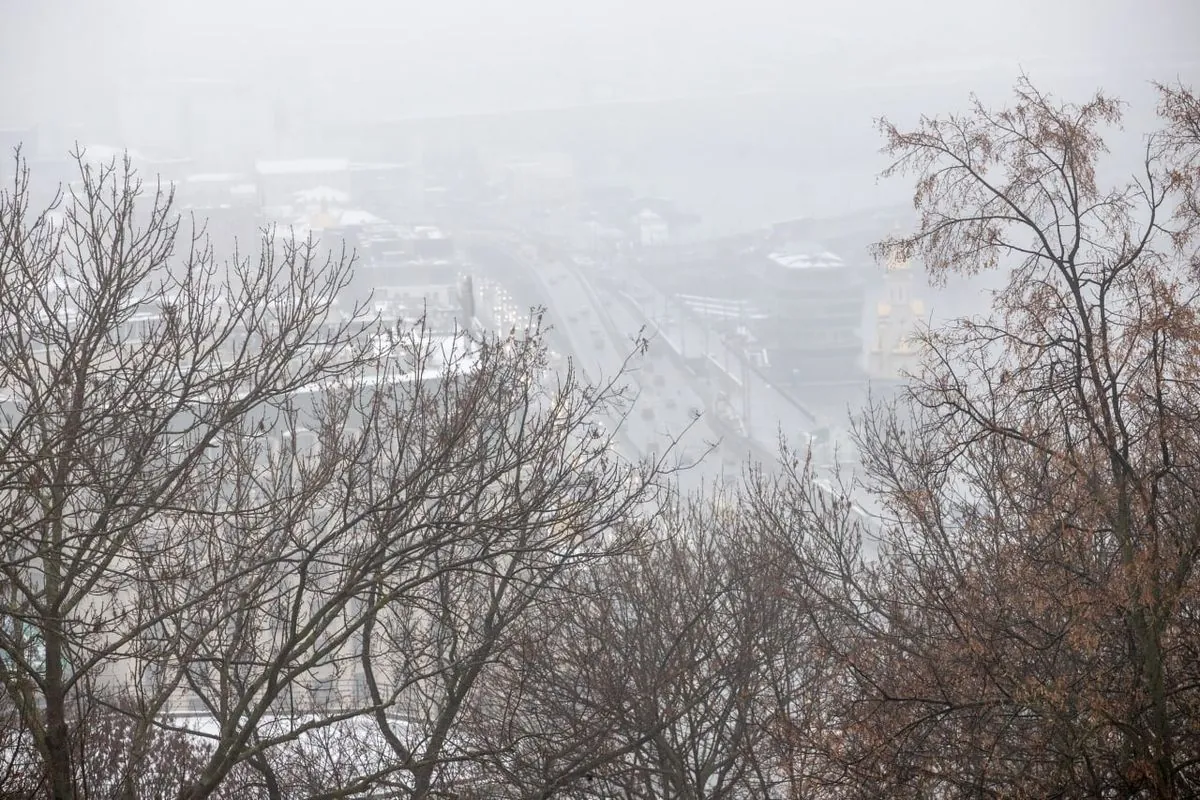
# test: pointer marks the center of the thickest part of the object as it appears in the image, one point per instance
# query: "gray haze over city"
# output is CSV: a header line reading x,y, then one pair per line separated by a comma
x,y
548,399
624,164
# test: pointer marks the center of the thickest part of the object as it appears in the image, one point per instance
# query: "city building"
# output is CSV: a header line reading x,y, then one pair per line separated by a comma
x,y
391,190
226,204
722,311
812,303
652,229
279,181
410,271
325,213
547,180
217,190
894,353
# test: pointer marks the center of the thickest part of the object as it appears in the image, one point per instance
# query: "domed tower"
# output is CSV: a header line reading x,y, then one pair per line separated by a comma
x,y
897,316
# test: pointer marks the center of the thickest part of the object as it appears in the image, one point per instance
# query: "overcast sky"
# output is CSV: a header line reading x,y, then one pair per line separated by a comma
x,y
108,71
462,54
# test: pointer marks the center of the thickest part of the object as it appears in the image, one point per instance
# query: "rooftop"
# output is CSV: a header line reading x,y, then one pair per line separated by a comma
x,y
332,218
807,257
358,217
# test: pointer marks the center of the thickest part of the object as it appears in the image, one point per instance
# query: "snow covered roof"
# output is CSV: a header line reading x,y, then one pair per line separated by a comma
x,y
427,232
356,217
333,218
302,166
806,258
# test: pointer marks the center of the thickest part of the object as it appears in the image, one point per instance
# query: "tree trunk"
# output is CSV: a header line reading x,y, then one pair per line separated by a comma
x,y
58,738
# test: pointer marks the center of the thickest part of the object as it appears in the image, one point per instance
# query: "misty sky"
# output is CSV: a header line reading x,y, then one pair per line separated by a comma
x,y
109,71
63,59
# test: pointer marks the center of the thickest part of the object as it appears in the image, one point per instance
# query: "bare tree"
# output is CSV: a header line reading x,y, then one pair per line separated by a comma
x,y
225,493
1030,627
123,362
661,675
1179,151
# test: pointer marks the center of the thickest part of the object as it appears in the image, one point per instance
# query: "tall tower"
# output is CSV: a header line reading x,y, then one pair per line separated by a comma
x,y
894,351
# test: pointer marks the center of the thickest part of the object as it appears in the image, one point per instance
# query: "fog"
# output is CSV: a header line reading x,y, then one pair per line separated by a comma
x,y
736,115
819,72
66,61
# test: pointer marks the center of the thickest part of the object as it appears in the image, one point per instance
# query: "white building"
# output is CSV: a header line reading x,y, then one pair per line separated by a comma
x,y
652,228
280,181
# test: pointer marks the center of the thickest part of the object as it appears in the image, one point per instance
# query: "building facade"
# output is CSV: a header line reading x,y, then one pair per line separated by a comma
x,y
813,306
894,353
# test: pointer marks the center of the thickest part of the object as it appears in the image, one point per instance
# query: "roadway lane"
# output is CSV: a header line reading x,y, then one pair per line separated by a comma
x,y
667,381
514,286
670,407
763,409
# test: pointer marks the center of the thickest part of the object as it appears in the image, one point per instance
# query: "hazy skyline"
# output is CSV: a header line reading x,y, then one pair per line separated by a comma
x,y
65,61
281,79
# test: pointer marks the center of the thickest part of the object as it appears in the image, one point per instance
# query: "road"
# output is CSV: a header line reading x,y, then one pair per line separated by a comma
x,y
679,405
597,324
765,411
513,286
500,310
667,416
